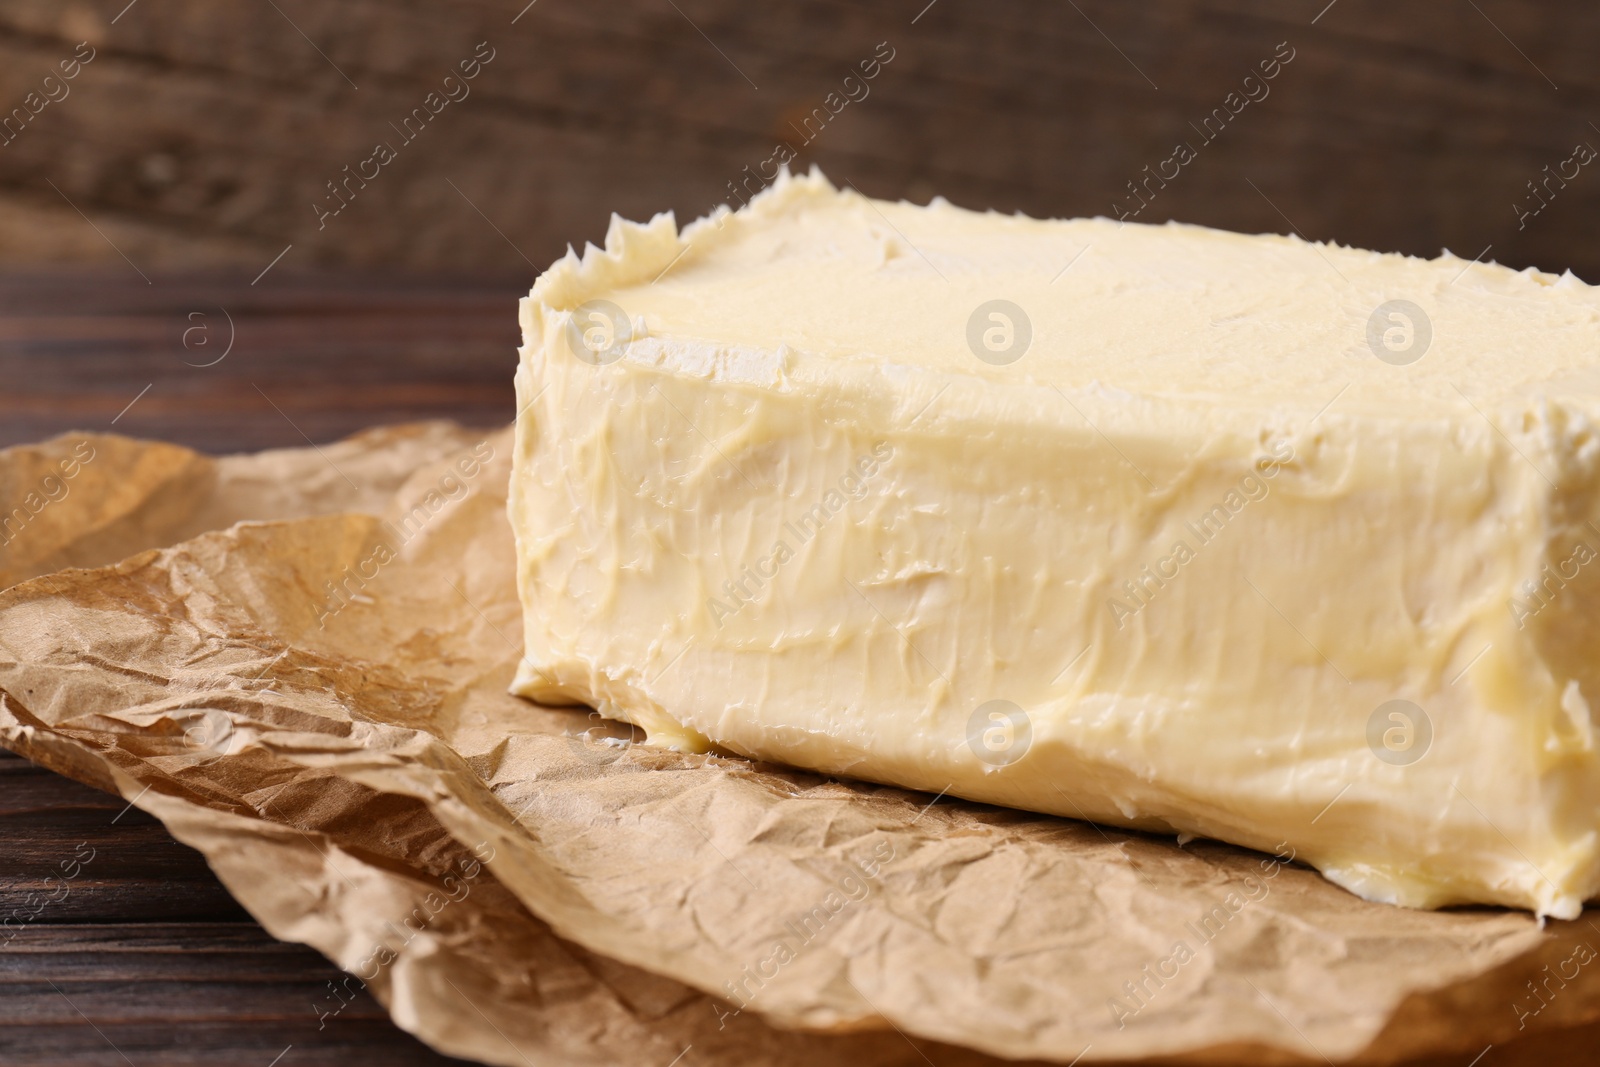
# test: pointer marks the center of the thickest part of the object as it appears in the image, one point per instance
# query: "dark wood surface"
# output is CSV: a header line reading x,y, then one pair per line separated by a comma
x,y
206,132
120,947
313,357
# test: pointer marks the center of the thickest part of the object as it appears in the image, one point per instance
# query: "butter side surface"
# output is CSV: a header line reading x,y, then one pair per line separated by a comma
x,y
1277,543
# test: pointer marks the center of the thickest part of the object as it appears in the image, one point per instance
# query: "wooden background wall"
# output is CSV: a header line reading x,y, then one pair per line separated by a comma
x,y
203,131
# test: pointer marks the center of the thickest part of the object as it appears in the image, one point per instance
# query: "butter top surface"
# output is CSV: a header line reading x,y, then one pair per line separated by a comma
x,y
810,273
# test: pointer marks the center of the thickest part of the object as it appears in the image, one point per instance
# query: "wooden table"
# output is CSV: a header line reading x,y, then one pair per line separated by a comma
x,y
147,960
311,357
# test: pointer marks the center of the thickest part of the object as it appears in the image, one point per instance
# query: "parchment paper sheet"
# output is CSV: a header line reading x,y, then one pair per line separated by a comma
x,y
318,704
88,499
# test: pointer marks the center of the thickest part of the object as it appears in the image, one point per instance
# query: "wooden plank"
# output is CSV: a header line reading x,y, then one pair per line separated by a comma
x,y
209,1044
69,853
1400,127
98,975
141,994
153,939
333,355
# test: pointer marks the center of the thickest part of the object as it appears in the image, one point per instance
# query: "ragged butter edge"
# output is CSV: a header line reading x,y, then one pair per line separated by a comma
x,y
636,252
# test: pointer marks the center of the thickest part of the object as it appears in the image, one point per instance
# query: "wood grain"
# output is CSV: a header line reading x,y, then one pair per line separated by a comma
x,y
143,957
314,357
203,134
85,856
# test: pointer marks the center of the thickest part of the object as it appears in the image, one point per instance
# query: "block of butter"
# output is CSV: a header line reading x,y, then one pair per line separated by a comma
x,y
1289,545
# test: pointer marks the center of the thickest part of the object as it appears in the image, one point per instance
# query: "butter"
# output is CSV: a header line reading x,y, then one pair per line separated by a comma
x,y
1289,545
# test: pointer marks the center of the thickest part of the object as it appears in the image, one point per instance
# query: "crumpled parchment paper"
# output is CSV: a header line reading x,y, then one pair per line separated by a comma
x,y
318,704
87,499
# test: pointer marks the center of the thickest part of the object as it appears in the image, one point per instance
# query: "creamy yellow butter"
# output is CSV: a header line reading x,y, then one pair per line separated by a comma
x,y
1285,544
